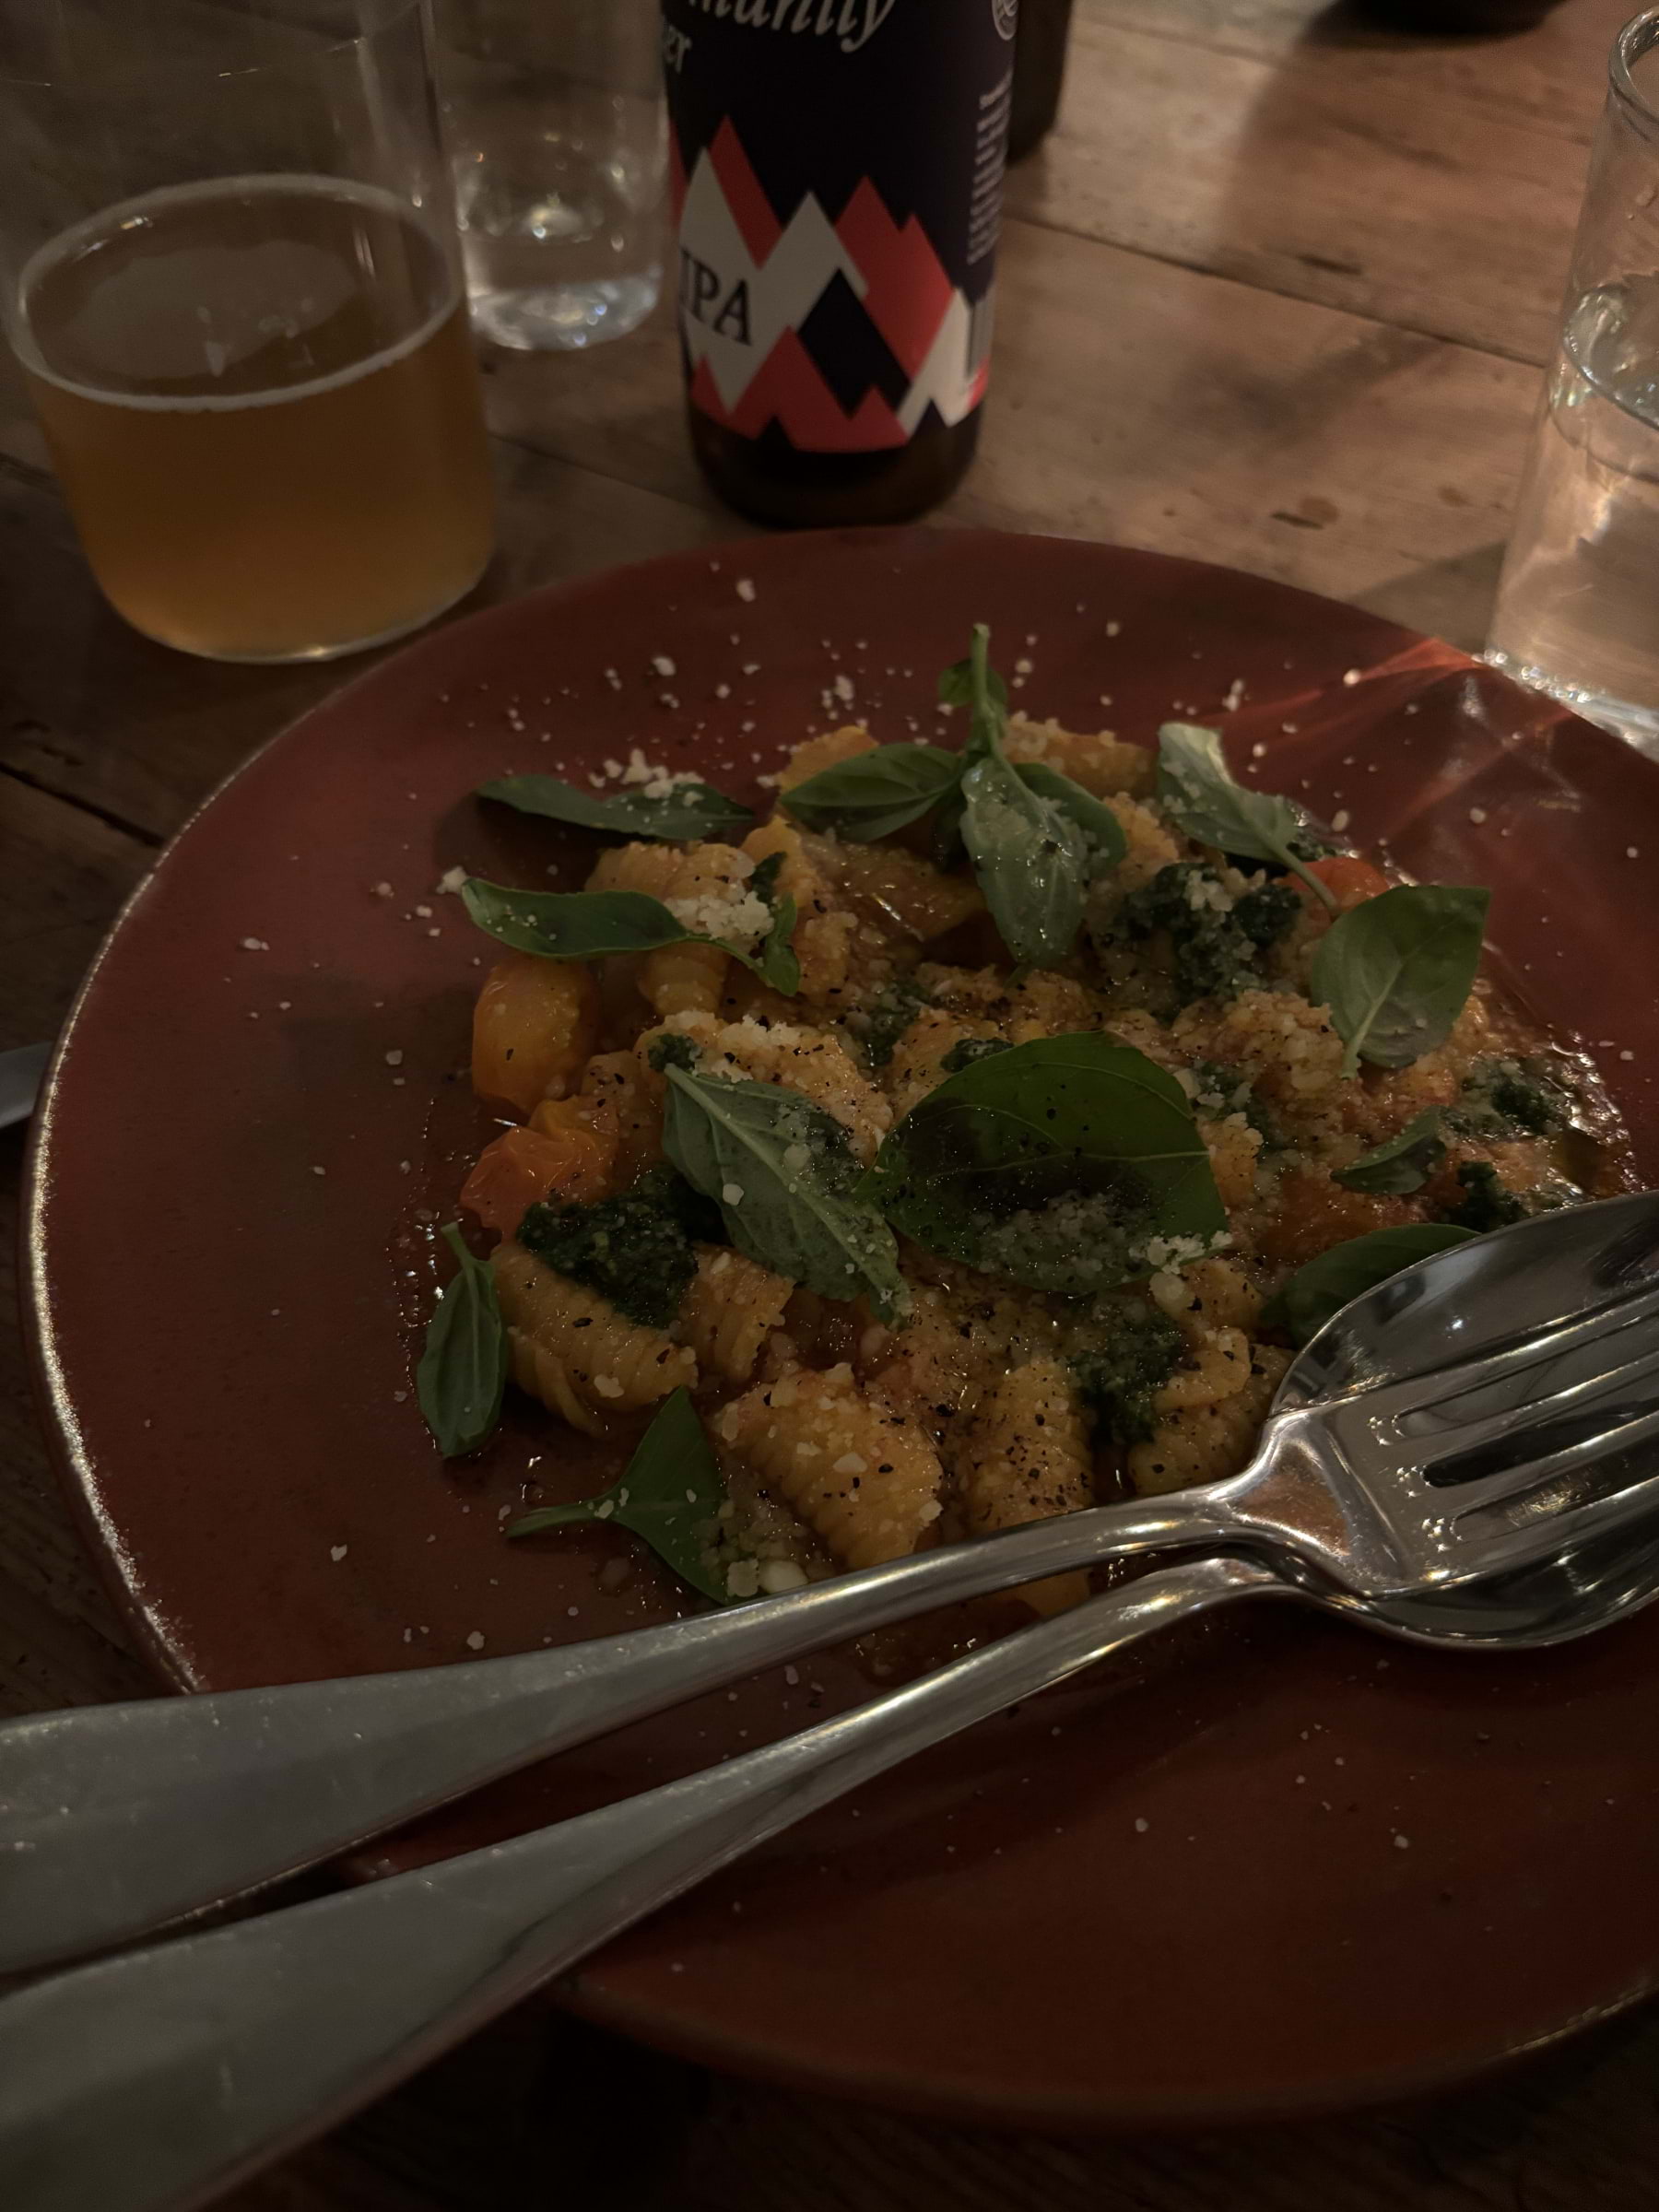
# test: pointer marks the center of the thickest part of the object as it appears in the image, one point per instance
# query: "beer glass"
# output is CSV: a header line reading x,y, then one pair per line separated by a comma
x,y
230,270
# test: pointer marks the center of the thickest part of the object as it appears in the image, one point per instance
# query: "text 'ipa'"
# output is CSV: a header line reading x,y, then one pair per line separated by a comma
x,y
837,168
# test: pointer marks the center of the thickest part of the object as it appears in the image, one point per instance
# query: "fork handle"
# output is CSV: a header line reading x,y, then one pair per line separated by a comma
x,y
148,2083
119,1818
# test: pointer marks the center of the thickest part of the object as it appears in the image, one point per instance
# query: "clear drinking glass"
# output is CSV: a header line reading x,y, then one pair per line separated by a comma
x,y
1578,603
229,267
555,115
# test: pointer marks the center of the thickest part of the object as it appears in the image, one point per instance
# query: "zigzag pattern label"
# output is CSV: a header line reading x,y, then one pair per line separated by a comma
x,y
848,335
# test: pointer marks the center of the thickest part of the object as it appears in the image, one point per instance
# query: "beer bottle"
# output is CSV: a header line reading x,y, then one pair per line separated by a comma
x,y
837,172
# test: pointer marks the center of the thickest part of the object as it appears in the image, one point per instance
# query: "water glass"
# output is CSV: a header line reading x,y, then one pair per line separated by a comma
x,y
1578,603
228,265
555,117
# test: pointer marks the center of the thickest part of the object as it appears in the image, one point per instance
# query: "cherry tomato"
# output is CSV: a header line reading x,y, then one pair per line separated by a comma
x,y
1350,880
525,1166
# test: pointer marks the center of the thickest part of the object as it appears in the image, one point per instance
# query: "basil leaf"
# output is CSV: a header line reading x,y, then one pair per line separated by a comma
x,y
785,1179
1401,1165
778,963
1318,1291
462,1370
689,812
572,925
1107,843
1030,856
636,1249
1196,786
1069,1164
670,1493
1397,971
971,683
876,793
1031,862
585,925
948,847
882,1020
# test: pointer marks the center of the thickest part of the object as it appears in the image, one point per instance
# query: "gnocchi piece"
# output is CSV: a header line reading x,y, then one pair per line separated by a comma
x,y
917,1064
861,1475
1107,766
811,1060
1207,1443
825,933
1311,1213
733,1306
820,753
1233,1145
1044,1005
1026,1457
1217,1362
1150,845
571,1349
623,1087
894,887
1280,1043
703,886
534,1026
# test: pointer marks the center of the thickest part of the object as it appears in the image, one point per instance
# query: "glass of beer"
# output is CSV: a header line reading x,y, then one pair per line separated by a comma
x,y
229,266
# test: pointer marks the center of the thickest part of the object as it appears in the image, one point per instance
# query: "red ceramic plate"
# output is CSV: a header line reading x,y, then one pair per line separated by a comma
x,y
1274,1867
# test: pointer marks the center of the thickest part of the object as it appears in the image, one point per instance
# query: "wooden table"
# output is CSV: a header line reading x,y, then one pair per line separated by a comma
x,y
1276,294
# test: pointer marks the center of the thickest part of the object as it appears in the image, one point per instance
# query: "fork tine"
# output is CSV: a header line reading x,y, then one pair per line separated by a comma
x,y
1466,1376
1471,1436
1549,1535
1464,1499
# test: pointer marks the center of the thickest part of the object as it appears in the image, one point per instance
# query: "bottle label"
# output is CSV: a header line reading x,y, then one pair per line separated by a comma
x,y
837,168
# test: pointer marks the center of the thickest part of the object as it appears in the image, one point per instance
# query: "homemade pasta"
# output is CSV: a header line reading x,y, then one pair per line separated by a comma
x,y
758,1158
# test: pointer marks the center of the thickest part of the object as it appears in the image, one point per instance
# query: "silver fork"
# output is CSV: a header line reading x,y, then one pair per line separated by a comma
x,y
154,2079
1530,1357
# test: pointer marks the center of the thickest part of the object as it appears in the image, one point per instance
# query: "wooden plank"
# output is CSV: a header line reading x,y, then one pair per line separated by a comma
x,y
1133,400
1136,400
1149,388
1574,2130
64,872
102,716
1385,191
1554,74
1145,404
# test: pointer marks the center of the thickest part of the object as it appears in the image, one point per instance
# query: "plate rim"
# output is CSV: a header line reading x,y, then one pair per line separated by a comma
x,y
719,2047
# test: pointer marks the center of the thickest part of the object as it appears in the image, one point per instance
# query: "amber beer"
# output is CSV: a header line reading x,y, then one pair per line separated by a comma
x,y
261,397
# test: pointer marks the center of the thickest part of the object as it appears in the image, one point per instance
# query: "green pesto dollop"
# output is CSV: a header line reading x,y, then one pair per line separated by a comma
x,y
1486,1202
1216,941
1510,1098
1119,1376
971,1049
878,1027
637,1251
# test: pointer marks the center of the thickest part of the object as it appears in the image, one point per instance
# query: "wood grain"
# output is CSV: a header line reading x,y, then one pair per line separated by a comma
x,y
1554,74
1300,174
1272,296
80,683
1159,406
